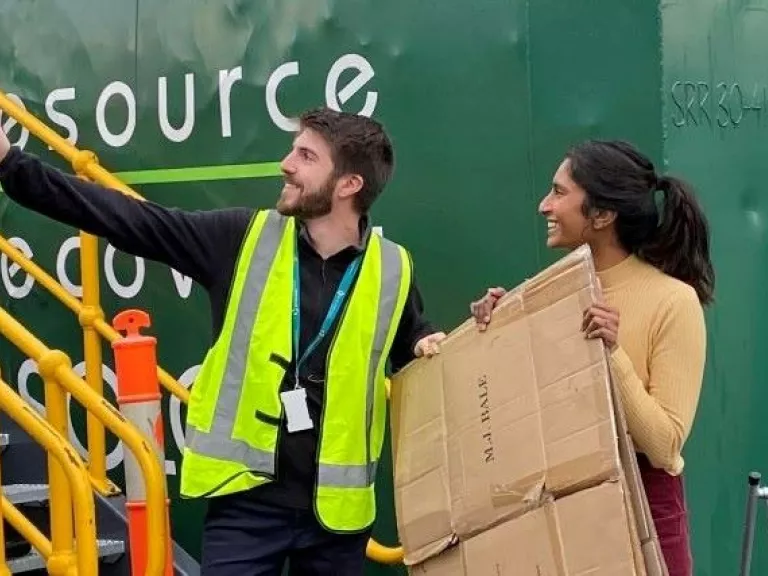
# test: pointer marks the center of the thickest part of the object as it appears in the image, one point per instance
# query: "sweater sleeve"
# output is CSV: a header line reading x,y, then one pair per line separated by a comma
x,y
660,416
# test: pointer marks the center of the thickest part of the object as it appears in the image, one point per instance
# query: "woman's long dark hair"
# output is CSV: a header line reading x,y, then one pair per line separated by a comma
x,y
674,237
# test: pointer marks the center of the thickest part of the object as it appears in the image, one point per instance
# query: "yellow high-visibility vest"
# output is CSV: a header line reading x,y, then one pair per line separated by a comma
x,y
234,413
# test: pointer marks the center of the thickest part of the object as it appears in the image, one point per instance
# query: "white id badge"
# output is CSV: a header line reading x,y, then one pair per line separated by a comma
x,y
296,410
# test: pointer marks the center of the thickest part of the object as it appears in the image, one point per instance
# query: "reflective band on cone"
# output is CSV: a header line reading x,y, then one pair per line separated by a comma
x,y
147,417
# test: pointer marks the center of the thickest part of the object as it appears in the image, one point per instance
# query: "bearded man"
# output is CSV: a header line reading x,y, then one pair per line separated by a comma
x,y
287,415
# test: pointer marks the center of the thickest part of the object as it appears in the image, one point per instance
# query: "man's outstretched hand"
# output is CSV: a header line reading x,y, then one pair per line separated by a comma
x,y
5,144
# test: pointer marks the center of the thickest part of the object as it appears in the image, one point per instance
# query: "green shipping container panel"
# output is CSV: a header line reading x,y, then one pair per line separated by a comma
x,y
192,102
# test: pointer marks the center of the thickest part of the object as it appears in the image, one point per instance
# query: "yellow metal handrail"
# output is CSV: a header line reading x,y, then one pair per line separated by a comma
x,y
89,311
58,377
57,552
87,316
24,527
86,164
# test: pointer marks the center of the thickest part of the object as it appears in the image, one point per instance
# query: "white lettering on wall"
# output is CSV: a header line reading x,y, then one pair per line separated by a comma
x,y
10,123
9,271
70,244
59,118
115,457
109,271
27,369
176,134
18,284
281,73
183,284
334,97
116,140
227,79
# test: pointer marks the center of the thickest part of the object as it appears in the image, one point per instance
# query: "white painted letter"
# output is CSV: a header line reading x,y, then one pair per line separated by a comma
x,y
116,456
109,271
281,73
27,368
7,271
59,118
116,89
333,95
11,122
227,78
70,244
183,283
176,134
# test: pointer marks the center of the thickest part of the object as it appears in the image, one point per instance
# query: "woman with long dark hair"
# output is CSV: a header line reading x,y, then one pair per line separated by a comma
x,y
650,244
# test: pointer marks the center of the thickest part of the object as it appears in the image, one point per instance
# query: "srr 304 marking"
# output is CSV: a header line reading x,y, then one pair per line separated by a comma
x,y
727,104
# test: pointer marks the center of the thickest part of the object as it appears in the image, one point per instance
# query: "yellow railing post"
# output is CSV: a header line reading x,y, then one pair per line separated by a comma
x,y
4,571
56,366
60,495
84,562
27,530
91,311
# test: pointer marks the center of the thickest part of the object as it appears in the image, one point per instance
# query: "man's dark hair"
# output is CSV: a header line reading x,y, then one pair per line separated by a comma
x,y
359,145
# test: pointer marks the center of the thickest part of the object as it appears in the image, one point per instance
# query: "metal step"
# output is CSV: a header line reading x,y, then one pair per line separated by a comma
x,y
4,440
108,549
26,493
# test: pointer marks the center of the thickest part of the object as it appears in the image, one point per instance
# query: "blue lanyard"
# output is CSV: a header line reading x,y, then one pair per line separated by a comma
x,y
330,317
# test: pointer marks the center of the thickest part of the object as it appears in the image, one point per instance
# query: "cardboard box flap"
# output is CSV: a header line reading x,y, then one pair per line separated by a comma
x,y
422,501
594,532
527,404
652,556
502,418
450,563
583,534
524,546
492,416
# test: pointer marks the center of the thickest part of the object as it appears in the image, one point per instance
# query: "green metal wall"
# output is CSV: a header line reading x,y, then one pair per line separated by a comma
x,y
482,101
715,121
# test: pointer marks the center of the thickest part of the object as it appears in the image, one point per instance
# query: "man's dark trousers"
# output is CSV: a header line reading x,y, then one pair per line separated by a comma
x,y
244,537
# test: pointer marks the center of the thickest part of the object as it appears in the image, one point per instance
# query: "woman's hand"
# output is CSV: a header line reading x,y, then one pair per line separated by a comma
x,y
481,309
602,321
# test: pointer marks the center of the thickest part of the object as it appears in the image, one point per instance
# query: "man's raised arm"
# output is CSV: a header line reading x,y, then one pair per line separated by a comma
x,y
187,241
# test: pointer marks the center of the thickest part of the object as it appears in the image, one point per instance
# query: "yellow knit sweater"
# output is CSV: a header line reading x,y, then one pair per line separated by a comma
x,y
659,361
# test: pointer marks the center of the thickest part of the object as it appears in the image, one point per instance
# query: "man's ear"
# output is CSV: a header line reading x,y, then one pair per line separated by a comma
x,y
349,185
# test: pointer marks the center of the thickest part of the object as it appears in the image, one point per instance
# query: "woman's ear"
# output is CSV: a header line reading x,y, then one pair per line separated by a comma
x,y
602,219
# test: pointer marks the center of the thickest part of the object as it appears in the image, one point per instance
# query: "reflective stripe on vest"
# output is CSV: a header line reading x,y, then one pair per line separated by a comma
x,y
363,475
391,275
218,442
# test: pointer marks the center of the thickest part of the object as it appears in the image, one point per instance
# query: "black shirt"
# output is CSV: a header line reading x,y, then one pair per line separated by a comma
x,y
204,245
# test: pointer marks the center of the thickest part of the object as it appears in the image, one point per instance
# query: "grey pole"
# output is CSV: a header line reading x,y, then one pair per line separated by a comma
x,y
749,526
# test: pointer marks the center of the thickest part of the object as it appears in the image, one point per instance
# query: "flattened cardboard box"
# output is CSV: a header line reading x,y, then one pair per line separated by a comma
x,y
584,534
422,498
499,419
648,548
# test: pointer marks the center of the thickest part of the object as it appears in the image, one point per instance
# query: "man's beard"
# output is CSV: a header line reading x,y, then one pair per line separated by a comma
x,y
312,204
